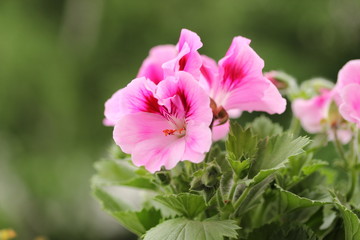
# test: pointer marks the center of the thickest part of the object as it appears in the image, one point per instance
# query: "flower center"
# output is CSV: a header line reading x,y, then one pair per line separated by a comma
x,y
178,132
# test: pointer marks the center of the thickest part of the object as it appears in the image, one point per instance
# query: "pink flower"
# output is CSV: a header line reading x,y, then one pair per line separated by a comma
x,y
313,112
165,60
348,90
315,115
163,124
237,84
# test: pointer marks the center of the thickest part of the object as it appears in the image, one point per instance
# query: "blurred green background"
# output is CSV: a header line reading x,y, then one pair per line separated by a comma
x,y
60,60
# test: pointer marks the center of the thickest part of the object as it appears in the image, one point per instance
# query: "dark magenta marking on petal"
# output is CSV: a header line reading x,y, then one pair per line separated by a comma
x,y
233,74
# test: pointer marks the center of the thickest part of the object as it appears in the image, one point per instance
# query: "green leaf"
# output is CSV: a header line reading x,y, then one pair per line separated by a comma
x,y
290,201
240,142
184,229
351,222
121,172
189,205
114,171
263,127
274,152
108,202
251,196
139,222
274,231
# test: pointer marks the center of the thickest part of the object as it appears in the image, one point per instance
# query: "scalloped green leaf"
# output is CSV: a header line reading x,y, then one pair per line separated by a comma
x,y
139,222
187,204
263,127
241,142
121,172
273,153
351,222
185,229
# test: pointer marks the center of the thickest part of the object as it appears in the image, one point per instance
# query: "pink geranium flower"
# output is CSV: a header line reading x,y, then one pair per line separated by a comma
x,y
163,124
315,116
163,60
313,112
237,84
348,90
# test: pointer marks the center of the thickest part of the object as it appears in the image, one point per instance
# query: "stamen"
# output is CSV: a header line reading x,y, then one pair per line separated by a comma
x,y
168,132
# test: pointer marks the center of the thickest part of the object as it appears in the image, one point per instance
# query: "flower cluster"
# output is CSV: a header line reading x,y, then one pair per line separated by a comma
x,y
181,101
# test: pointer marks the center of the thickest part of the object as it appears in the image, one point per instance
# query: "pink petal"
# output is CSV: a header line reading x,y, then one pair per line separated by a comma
x,y
137,127
312,111
344,135
240,63
350,107
137,96
349,73
255,95
190,38
183,95
152,65
198,141
209,73
154,153
188,59
220,131
241,85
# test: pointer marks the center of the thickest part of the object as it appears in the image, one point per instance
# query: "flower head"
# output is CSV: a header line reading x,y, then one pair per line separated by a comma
x,y
320,112
237,83
164,123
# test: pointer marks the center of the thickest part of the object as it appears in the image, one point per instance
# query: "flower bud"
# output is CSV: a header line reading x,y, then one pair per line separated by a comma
x,y
163,177
314,87
286,84
211,175
196,184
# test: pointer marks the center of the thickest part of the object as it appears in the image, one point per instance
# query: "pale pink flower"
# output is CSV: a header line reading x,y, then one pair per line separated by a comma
x,y
237,84
313,112
315,116
165,123
348,90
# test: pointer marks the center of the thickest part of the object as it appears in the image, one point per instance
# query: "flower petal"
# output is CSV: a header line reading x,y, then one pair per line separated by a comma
x,y
154,153
240,63
209,73
350,107
349,73
312,111
191,100
198,141
255,95
220,131
241,85
151,68
188,58
137,96
134,128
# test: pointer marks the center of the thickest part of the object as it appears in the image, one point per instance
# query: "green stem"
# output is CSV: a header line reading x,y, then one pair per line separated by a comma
x,y
241,198
340,149
295,126
353,170
353,181
233,187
